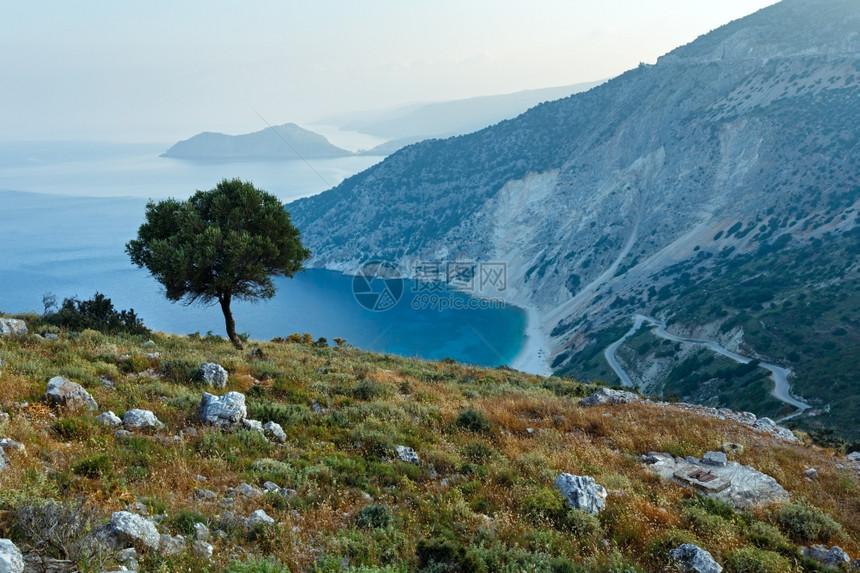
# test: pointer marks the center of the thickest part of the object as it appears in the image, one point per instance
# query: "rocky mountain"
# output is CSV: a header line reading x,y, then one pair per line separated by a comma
x,y
716,191
287,141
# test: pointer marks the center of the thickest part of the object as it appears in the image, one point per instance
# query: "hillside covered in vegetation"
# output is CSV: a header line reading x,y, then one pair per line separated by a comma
x,y
384,464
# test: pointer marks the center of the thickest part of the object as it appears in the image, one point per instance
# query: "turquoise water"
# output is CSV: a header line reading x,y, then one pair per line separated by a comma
x,y
73,245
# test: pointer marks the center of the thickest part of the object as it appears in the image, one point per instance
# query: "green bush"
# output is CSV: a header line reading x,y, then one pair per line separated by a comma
x,y
473,421
286,415
257,566
94,466
545,505
767,536
184,521
74,428
754,560
180,370
805,523
580,523
98,314
373,516
371,390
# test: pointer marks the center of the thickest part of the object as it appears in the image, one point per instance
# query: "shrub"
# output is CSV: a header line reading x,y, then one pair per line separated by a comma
x,y
74,428
754,560
95,466
370,390
473,421
284,414
767,536
805,523
373,516
184,521
444,555
257,566
98,314
180,370
580,523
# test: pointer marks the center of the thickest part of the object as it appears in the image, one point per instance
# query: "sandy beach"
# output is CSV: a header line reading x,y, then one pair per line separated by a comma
x,y
533,358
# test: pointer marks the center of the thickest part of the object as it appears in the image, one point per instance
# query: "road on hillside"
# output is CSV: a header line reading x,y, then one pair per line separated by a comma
x,y
781,387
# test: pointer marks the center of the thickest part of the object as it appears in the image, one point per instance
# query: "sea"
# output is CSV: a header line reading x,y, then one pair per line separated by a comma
x,y
67,209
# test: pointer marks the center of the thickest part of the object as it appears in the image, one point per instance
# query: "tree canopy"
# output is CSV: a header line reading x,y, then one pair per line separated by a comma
x,y
223,244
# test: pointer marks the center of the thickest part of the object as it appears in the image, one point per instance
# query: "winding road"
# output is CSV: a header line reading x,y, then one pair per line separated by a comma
x,y
781,388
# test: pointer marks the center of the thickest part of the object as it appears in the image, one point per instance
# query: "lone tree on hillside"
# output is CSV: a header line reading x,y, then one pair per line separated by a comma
x,y
219,245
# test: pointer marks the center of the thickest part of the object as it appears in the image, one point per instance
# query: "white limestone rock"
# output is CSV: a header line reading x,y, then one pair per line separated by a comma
x,y
582,492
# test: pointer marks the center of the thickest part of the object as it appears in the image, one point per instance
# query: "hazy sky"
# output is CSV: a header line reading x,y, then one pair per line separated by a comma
x,y
163,70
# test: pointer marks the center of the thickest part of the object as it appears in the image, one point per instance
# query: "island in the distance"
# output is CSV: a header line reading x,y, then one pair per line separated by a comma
x,y
287,141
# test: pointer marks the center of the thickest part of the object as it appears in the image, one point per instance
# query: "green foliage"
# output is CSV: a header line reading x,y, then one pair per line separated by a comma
x,y
180,370
373,516
473,421
184,521
261,565
74,428
98,314
219,245
754,560
805,523
94,466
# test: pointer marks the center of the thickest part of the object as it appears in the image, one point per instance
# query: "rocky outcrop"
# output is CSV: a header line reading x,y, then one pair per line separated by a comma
x,y
408,455
259,517
67,394
742,486
109,419
608,396
213,374
226,411
834,557
274,432
582,492
693,559
134,420
126,528
11,559
12,327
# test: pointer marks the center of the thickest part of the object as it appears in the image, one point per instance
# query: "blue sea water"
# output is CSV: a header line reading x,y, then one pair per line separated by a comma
x,y
67,210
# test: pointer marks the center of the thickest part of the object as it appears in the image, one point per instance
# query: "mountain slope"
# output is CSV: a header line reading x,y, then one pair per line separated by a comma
x,y
288,141
731,156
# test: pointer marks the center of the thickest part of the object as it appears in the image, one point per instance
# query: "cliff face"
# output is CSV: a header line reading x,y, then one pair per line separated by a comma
x,y
731,151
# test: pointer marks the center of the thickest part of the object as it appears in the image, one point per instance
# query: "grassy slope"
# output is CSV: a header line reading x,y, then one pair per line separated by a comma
x,y
496,509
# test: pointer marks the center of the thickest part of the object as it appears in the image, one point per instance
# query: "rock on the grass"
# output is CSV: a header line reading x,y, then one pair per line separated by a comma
x,y
213,374
11,559
607,396
259,516
63,392
126,528
693,559
226,411
253,425
582,492
140,420
171,545
274,431
201,532
202,549
407,454
835,556
109,419
12,327
10,445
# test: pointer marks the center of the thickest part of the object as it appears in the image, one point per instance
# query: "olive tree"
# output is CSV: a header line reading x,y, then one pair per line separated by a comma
x,y
220,245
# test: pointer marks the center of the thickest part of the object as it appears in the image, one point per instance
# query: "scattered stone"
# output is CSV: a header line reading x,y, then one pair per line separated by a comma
x,y
201,532
259,516
274,431
12,327
106,382
272,487
226,411
811,473
202,549
213,374
36,563
51,336
126,529
4,417
741,486
530,431
199,478
714,459
128,557
138,507
11,559
834,556
731,448
171,545
121,433
149,343
607,396
189,432
10,445
582,492
153,356
68,394
408,455
204,494
109,419
248,490
140,420
253,426
854,456
693,559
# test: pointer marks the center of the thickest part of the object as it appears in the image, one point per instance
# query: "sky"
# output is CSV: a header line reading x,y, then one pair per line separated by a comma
x,y
162,70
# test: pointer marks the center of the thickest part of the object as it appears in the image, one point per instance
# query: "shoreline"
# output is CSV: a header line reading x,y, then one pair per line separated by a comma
x,y
532,359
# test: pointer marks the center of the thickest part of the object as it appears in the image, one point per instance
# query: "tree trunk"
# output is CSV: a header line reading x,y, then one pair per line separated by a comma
x,y
231,324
